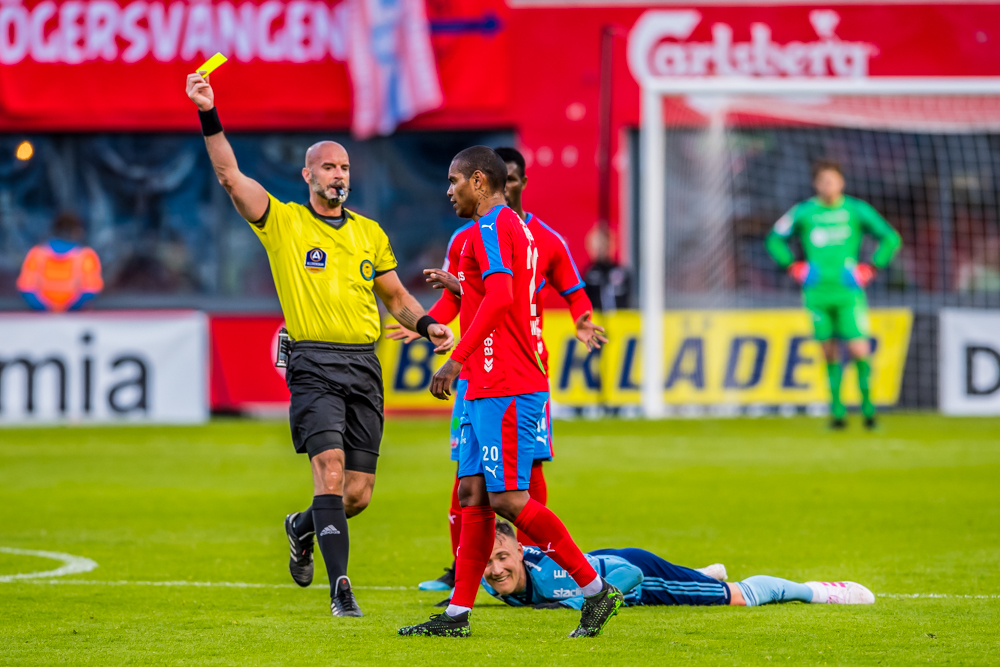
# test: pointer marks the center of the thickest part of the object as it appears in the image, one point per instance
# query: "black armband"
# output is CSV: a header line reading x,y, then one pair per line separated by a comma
x,y
210,123
423,324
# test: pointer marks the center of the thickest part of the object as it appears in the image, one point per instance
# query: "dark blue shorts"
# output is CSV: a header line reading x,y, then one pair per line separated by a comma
x,y
664,583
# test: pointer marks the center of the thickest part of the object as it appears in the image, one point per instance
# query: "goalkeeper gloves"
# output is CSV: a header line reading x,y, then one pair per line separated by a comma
x,y
799,271
864,274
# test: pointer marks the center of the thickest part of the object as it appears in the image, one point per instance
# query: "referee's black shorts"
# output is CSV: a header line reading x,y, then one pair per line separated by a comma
x,y
337,396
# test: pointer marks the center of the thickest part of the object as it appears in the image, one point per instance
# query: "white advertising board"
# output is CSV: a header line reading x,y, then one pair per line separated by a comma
x,y
104,367
969,362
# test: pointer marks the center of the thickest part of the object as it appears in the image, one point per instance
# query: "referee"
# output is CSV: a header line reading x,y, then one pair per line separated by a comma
x,y
328,263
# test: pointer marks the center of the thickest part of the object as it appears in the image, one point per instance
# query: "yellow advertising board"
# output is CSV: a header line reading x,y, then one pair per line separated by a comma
x,y
712,357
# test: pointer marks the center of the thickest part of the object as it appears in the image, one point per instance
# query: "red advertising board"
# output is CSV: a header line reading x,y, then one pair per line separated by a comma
x,y
242,375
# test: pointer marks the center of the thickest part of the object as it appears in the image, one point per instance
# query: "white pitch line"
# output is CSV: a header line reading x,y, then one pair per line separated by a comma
x,y
200,584
71,565
938,595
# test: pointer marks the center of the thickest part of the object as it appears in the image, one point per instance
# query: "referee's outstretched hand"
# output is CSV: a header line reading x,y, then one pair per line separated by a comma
x,y
200,92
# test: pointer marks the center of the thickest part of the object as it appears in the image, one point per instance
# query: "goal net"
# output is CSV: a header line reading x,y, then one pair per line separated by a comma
x,y
733,164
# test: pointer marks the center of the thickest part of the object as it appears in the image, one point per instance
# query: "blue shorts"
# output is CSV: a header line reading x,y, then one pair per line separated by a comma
x,y
498,438
666,584
543,434
456,416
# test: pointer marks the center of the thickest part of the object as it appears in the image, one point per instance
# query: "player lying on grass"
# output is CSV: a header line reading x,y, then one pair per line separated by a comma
x,y
524,576
830,227
558,271
504,402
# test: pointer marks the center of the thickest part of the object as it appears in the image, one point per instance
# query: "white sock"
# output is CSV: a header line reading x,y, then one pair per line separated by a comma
x,y
454,610
593,588
820,594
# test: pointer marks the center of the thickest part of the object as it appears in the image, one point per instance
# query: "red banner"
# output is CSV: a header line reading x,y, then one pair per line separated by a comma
x,y
242,375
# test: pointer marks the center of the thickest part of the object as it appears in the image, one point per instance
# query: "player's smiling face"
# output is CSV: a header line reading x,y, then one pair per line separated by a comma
x,y
461,193
505,569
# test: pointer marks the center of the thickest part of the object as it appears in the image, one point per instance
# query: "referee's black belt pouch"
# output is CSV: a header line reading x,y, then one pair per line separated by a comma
x,y
320,346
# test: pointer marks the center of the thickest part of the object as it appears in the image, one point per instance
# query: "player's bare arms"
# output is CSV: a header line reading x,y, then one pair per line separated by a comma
x,y
408,311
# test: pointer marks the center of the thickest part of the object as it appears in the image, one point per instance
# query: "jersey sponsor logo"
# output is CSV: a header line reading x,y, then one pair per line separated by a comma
x,y
822,237
488,353
315,260
367,269
559,574
565,592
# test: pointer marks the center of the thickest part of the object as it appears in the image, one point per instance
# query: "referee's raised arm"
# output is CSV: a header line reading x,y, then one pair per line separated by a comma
x,y
249,196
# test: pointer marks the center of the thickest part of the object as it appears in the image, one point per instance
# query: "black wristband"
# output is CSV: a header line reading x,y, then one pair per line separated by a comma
x,y
423,324
210,123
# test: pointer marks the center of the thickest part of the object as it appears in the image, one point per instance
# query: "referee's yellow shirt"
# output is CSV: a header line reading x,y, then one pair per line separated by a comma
x,y
324,275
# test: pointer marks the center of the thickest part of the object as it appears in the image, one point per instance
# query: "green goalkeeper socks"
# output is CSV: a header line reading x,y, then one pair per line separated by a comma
x,y
834,372
864,373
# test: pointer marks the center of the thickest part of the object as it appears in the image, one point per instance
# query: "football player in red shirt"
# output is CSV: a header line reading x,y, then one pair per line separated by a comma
x,y
558,272
506,396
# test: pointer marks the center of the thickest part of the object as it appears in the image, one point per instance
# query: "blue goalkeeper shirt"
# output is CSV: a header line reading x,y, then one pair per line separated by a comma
x,y
644,578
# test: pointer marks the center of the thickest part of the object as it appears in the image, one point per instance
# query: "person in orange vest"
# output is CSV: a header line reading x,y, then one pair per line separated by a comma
x,y
61,274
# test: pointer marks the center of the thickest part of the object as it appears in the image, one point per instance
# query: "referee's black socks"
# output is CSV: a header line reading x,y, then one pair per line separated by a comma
x,y
330,524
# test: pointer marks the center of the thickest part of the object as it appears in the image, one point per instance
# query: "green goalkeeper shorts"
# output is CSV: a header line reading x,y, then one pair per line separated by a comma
x,y
842,314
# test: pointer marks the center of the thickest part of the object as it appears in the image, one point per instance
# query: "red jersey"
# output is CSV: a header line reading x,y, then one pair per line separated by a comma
x,y
557,271
446,309
498,346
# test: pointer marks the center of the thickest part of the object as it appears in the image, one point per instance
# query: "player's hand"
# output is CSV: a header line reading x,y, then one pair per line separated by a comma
x,y
200,92
399,332
864,274
442,380
799,271
441,336
441,279
589,333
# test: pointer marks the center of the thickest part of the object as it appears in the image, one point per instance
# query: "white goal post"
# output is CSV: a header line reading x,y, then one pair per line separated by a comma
x,y
652,161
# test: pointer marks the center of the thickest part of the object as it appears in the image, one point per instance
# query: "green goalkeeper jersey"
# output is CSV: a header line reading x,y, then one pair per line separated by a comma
x,y
831,240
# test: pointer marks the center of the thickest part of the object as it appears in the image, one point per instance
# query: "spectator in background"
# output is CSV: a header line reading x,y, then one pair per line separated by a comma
x,y
608,284
61,274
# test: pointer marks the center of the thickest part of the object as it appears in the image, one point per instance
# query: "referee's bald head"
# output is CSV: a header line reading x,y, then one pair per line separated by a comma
x,y
325,151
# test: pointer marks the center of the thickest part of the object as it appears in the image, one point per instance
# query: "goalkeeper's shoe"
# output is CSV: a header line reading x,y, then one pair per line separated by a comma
x,y
597,611
300,564
838,423
343,603
840,592
440,625
443,583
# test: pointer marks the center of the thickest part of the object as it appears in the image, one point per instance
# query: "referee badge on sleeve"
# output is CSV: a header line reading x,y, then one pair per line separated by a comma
x,y
315,260
367,269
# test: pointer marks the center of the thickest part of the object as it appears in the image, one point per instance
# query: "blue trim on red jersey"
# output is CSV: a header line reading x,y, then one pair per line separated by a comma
x,y
61,246
580,284
540,286
491,242
451,241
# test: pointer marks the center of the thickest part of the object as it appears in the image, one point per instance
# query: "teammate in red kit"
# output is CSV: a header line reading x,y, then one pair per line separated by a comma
x,y
558,272
506,395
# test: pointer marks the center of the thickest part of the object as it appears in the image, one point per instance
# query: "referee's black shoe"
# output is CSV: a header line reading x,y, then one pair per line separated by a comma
x,y
343,603
300,564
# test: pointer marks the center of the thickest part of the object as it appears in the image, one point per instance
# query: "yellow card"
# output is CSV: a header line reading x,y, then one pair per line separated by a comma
x,y
212,64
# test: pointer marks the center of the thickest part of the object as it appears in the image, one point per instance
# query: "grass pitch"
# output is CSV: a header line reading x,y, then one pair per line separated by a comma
x,y
911,510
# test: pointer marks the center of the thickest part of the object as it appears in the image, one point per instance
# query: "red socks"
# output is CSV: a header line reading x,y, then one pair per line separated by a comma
x,y
538,491
547,531
455,519
475,547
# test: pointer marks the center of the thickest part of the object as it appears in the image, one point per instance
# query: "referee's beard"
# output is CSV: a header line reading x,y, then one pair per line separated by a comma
x,y
329,193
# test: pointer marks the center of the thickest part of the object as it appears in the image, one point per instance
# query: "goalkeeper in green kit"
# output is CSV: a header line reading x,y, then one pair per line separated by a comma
x,y
831,227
